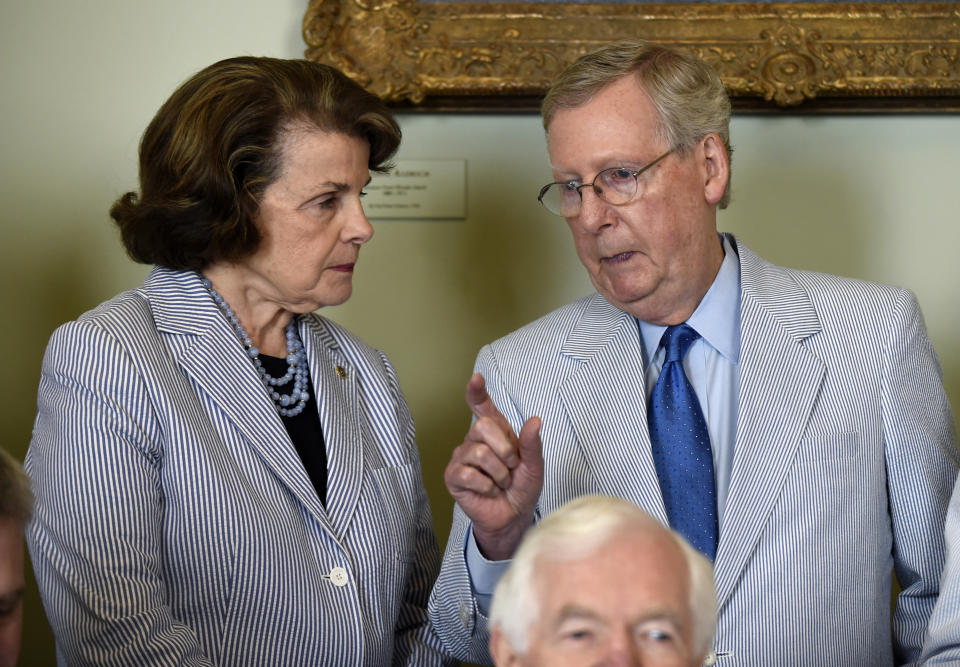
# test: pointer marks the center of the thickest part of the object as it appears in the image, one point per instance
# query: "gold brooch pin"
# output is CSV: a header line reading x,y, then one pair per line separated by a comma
x,y
342,372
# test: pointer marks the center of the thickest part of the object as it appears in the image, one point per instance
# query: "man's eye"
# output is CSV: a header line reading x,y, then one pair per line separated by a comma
x,y
10,603
363,193
618,174
656,635
327,203
579,635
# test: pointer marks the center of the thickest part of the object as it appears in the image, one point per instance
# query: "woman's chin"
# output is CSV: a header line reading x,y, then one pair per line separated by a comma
x,y
317,301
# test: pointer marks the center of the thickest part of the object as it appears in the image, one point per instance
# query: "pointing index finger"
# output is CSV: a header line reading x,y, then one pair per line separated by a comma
x,y
481,405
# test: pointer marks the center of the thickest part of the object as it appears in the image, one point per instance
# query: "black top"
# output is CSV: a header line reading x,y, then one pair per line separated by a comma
x,y
304,429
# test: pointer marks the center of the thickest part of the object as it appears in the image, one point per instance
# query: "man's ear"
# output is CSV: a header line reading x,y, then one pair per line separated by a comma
x,y
716,164
501,650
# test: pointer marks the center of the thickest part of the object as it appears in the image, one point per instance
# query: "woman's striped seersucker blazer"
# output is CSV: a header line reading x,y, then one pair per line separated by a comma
x,y
175,524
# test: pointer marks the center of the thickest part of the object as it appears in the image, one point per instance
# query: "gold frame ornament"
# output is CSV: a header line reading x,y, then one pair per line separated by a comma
x,y
808,56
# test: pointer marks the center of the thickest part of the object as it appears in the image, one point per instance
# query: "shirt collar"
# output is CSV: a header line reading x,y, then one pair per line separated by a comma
x,y
716,319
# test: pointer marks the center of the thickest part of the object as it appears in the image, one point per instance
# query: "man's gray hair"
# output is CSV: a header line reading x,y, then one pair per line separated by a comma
x,y
575,531
688,94
16,499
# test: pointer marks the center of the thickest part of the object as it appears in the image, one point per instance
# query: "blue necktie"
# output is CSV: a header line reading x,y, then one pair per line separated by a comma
x,y
681,447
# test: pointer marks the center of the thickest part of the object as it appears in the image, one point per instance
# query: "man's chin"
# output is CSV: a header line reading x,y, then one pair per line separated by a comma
x,y
633,299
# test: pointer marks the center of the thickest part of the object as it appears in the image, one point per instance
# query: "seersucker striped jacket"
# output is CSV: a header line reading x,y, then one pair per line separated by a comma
x,y
844,460
175,524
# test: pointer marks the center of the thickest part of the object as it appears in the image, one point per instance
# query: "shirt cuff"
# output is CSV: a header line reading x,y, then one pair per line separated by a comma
x,y
484,574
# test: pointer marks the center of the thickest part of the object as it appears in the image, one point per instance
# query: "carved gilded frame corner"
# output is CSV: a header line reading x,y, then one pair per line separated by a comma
x,y
811,56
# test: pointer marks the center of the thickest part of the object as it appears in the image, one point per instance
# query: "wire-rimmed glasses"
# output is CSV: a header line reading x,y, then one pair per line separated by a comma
x,y
616,185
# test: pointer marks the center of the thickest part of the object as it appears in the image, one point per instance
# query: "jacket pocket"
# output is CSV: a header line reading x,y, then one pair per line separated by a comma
x,y
396,485
829,447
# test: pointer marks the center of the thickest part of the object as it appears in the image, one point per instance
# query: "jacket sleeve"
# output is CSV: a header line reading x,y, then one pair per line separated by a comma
x,y
942,643
95,538
460,623
416,644
921,461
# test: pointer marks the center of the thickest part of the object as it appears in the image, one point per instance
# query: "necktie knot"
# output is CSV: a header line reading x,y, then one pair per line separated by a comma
x,y
677,339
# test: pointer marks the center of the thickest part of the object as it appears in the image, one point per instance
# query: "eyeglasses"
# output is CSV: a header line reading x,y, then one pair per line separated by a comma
x,y
617,186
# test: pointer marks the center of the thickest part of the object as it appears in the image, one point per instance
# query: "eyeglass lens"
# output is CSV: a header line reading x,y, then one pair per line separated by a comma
x,y
616,185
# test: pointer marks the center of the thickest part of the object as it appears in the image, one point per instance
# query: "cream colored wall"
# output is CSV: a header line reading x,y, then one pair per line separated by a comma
x,y
872,197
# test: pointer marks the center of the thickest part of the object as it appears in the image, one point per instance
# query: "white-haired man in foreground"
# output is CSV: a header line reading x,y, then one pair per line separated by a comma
x,y
600,582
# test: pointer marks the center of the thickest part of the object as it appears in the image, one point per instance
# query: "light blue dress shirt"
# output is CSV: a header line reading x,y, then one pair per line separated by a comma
x,y
711,365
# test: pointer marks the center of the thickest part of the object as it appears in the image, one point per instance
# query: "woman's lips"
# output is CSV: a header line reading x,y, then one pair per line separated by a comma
x,y
344,268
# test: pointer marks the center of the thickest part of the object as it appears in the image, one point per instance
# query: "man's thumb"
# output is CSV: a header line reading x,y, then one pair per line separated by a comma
x,y
531,449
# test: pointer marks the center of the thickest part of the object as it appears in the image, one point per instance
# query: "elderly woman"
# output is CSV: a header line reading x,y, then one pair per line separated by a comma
x,y
222,476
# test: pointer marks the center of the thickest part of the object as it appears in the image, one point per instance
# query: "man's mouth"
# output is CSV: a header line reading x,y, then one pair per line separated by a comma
x,y
617,259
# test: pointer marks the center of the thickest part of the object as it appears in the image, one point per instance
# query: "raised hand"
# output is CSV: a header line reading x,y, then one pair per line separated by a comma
x,y
496,476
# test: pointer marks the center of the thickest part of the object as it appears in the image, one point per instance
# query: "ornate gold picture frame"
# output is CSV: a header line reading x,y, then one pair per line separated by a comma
x,y
816,56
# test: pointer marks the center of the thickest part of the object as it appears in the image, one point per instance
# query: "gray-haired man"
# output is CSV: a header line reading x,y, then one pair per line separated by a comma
x,y
600,581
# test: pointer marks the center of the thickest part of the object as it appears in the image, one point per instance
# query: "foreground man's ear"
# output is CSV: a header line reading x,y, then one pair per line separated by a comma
x,y
500,649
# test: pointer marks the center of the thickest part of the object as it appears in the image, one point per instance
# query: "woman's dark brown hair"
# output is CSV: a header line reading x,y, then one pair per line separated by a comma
x,y
214,147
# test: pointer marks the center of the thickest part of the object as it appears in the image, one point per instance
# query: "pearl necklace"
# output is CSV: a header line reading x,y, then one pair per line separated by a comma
x,y
296,360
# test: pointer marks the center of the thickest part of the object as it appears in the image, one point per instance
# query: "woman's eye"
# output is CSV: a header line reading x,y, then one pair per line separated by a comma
x,y
327,203
571,186
363,193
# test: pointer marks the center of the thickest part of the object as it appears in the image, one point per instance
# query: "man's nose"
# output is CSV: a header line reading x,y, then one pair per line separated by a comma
x,y
595,213
623,651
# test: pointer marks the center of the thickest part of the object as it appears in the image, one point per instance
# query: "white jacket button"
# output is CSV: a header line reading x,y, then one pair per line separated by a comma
x,y
339,577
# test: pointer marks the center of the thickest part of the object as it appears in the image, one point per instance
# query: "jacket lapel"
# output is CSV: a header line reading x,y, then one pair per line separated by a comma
x,y
213,358
336,383
605,400
779,382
